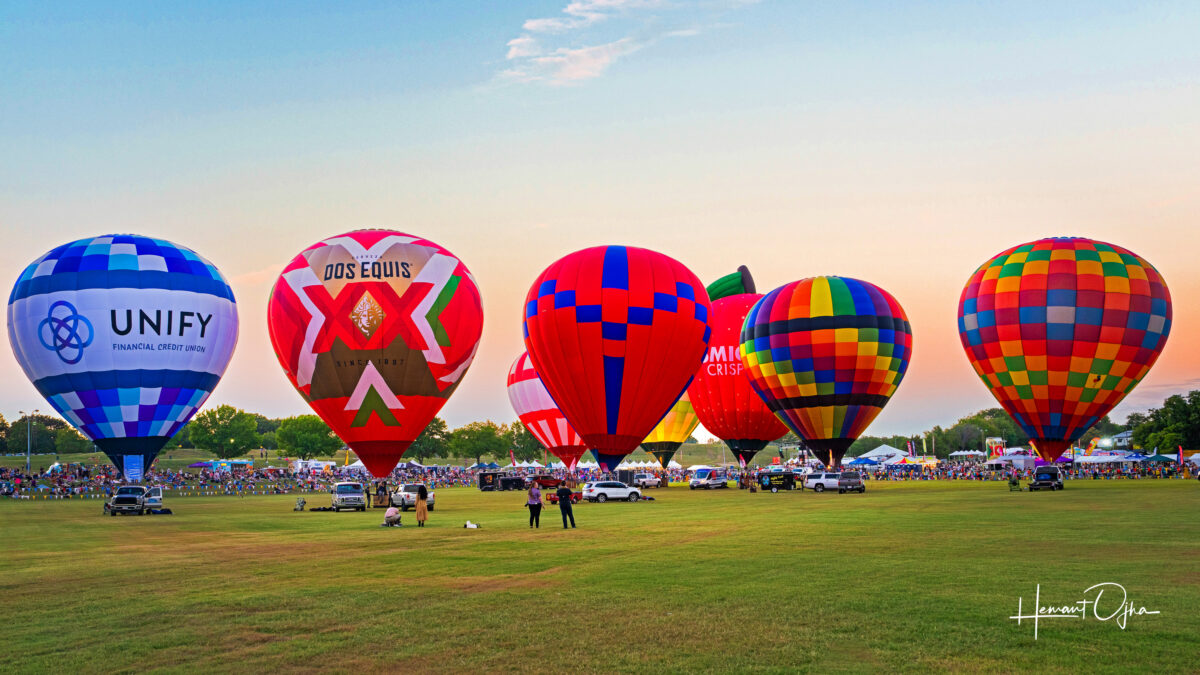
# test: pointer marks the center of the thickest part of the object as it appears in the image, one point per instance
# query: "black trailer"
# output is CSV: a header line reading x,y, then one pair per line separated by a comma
x,y
776,481
489,481
512,483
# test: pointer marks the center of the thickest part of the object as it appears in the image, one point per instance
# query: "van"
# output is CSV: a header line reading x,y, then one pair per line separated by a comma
x,y
708,479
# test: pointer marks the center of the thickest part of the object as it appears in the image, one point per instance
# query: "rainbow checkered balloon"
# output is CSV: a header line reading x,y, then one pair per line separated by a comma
x,y
826,354
1060,330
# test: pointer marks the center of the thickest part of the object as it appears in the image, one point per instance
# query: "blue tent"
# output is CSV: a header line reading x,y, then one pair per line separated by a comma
x,y
862,461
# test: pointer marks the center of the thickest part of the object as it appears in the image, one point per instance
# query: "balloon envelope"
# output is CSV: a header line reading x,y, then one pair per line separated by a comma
x,y
722,394
673,431
616,333
826,354
1060,330
375,328
126,336
540,415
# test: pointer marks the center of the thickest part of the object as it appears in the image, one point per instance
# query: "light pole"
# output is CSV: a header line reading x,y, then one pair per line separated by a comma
x,y
28,438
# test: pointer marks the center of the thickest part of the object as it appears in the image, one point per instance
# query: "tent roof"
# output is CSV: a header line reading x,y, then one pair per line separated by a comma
x,y
881,450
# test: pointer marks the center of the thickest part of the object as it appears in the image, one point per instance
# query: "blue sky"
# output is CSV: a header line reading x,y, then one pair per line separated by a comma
x,y
904,143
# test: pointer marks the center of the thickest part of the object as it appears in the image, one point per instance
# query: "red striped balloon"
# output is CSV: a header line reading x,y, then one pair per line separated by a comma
x,y
538,412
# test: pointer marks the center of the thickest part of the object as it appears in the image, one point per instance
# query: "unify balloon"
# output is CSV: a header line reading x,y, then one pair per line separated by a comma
x,y
126,336
540,415
616,333
1060,330
674,429
375,329
826,354
722,394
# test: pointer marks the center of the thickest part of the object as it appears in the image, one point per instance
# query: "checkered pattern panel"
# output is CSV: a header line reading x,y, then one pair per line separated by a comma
x,y
1061,329
826,354
129,412
120,260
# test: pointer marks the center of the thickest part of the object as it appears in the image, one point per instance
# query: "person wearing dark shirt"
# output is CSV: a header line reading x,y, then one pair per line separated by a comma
x,y
564,504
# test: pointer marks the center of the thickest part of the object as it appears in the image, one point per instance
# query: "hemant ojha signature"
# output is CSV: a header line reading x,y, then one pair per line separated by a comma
x,y
1108,602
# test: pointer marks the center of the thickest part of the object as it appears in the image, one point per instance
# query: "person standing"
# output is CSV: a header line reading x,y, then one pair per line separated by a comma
x,y
534,504
564,504
422,505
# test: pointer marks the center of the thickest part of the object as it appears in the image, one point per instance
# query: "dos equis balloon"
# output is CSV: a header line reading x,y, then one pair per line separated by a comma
x,y
375,329
126,336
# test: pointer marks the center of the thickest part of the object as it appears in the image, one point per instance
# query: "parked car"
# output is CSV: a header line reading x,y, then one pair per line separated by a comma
x,y
575,497
405,496
708,479
603,491
349,495
1046,478
139,499
851,481
819,481
646,480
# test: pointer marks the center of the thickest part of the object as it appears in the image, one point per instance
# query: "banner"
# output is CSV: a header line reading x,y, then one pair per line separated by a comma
x,y
995,446
133,468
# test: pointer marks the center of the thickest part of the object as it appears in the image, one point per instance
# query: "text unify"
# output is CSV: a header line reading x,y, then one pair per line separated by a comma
x,y
154,323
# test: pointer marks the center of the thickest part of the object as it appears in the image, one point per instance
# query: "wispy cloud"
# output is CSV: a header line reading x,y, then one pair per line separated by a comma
x,y
570,48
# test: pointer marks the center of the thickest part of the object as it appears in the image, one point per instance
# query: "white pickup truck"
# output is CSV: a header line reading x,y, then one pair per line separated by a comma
x,y
646,480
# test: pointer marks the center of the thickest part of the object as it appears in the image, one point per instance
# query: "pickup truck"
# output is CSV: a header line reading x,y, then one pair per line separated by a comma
x,y
645,480
138,499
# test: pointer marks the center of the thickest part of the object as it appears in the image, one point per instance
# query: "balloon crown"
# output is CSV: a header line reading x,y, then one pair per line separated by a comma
x,y
735,283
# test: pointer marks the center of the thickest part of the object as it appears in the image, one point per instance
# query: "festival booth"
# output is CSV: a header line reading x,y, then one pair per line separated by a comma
x,y
317,465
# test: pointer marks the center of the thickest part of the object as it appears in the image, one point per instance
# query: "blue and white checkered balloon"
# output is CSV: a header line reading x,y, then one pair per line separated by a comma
x,y
126,336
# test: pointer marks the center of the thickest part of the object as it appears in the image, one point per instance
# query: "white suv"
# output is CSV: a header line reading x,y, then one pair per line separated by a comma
x,y
405,497
646,480
603,491
820,482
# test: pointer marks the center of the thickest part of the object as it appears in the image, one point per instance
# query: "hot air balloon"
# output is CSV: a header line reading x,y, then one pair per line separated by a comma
x,y
672,432
540,415
826,354
722,394
375,329
616,333
126,336
1060,330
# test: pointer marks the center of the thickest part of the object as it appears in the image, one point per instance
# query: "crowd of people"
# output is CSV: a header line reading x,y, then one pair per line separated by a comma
x,y
77,480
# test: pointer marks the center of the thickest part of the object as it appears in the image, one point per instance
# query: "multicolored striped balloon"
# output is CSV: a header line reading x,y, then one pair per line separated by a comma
x,y
672,431
826,354
1060,330
538,412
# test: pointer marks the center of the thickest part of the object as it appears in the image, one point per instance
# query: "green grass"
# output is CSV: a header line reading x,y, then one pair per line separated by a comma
x,y
909,576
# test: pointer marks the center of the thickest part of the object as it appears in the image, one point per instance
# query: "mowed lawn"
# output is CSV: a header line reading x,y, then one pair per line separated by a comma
x,y
909,576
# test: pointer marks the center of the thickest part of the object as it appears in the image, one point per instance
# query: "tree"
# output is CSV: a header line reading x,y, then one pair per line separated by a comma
x,y
433,441
1176,423
477,439
67,441
268,440
265,424
225,431
179,440
1103,428
43,428
307,436
3,434
525,445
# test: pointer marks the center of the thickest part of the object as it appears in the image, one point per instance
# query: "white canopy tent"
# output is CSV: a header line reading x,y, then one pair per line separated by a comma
x,y
967,453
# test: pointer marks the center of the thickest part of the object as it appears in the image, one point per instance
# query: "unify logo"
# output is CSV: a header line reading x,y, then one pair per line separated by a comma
x,y
65,332
159,322
1117,607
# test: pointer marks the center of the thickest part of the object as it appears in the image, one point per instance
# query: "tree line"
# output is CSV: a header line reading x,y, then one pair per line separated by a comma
x,y
228,432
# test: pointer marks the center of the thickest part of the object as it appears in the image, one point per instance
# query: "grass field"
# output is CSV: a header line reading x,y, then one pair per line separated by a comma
x,y
909,576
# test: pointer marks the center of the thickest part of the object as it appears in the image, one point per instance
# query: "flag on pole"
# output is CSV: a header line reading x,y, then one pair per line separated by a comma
x,y
512,457
924,447
1180,458
910,449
